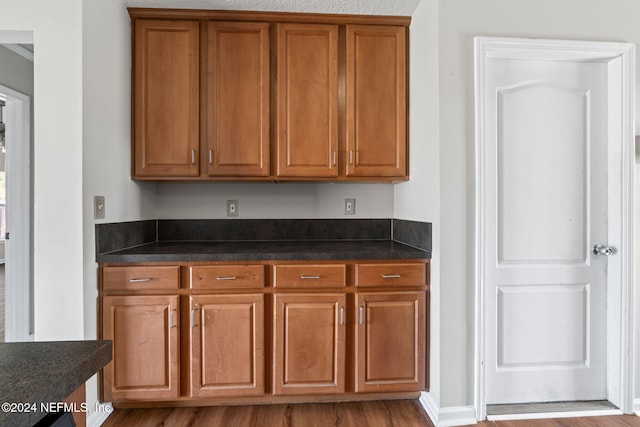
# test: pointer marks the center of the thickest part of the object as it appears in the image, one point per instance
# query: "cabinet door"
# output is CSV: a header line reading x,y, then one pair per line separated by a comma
x,y
238,99
166,99
144,330
227,345
390,341
309,344
376,102
307,119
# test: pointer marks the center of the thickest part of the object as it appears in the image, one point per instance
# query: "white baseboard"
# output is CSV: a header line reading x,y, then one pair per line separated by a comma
x,y
636,407
100,415
449,416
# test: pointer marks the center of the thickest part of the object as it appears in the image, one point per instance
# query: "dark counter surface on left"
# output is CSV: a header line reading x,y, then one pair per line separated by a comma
x,y
43,372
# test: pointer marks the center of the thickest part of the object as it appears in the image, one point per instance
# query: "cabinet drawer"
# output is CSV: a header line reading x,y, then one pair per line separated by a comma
x,y
407,274
309,276
140,278
227,276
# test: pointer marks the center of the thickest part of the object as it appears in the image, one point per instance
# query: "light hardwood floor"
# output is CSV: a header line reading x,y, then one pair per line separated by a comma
x,y
392,413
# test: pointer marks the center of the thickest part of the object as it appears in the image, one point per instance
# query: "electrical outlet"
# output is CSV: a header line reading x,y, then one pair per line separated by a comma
x,y
349,206
98,207
232,208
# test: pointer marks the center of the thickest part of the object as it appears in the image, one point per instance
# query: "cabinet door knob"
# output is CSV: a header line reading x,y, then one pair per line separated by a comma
x,y
350,157
341,316
193,156
210,156
361,315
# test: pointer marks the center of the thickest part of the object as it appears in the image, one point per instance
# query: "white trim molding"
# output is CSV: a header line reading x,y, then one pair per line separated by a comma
x,y
100,415
19,218
448,416
621,60
636,407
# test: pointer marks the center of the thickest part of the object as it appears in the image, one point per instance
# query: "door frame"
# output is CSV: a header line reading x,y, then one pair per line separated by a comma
x,y
18,258
620,58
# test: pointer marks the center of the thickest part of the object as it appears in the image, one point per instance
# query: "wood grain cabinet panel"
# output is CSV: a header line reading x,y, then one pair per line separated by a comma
x,y
376,101
227,345
144,330
166,99
141,278
309,344
227,276
307,98
309,276
392,274
390,341
237,99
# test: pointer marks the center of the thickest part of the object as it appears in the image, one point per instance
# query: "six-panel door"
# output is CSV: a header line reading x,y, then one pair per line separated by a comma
x,y
227,345
390,341
309,343
145,334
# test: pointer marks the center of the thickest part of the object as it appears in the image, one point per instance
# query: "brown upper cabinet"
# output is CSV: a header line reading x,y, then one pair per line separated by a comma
x,y
237,104
166,127
376,101
307,124
228,95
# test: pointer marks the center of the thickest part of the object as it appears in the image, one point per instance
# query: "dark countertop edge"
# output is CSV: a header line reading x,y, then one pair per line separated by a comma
x,y
403,251
59,391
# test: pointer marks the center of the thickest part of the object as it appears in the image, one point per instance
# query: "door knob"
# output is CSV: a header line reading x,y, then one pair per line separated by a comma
x,y
603,250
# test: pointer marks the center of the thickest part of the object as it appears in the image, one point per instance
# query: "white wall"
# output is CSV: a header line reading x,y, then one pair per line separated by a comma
x,y
419,198
107,143
268,200
459,22
16,72
57,141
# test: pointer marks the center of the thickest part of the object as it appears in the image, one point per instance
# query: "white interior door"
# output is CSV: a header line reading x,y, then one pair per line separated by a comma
x,y
546,207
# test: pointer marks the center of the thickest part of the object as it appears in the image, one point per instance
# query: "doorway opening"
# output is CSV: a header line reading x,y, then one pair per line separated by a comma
x,y
16,217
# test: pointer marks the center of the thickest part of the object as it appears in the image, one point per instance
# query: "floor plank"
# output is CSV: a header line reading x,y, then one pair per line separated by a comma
x,y
385,413
395,413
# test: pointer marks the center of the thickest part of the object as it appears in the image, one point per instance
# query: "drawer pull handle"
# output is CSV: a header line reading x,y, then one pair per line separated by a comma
x,y
303,277
226,278
193,157
341,316
391,276
361,316
146,279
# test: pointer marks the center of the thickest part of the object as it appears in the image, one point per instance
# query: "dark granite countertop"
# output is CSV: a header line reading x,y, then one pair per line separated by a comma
x,y
265,251
43,372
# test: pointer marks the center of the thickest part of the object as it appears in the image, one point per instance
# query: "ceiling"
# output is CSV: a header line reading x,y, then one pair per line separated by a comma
x,y
358,7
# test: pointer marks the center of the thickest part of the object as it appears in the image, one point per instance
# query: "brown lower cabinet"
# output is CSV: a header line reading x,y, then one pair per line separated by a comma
x,y
145,331
390,341
217,332
227,345
309,349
